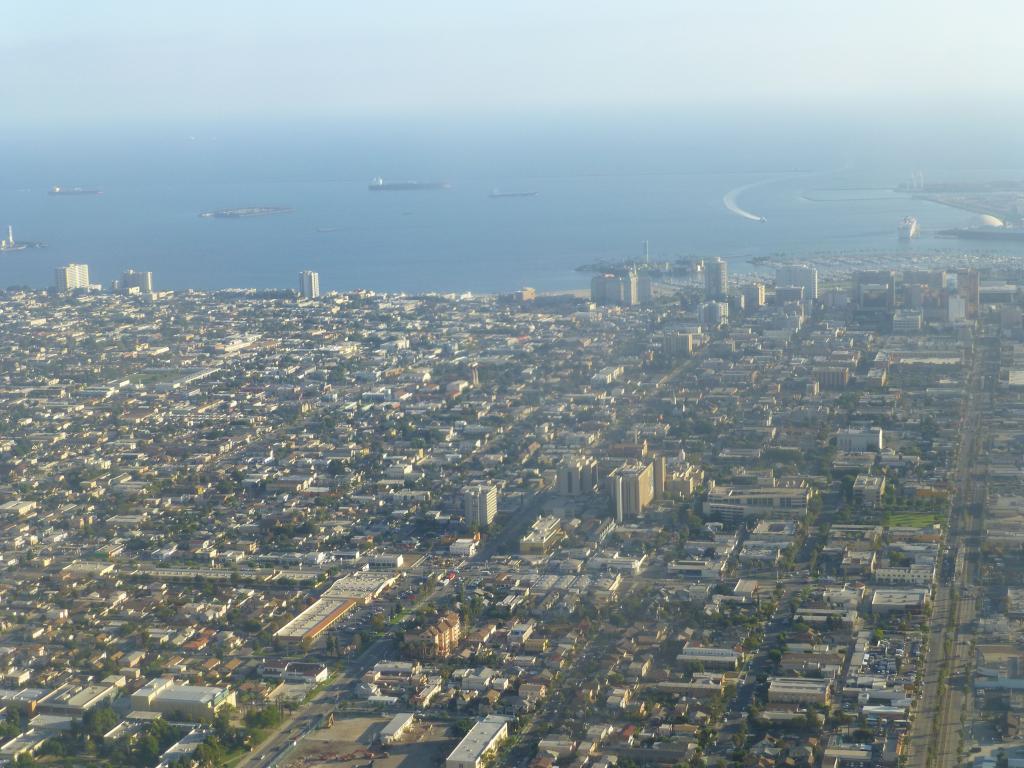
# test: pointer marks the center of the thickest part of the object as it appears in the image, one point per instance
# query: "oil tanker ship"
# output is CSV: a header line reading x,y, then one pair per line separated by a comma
x,y
59,190
379,185
498,193
244,213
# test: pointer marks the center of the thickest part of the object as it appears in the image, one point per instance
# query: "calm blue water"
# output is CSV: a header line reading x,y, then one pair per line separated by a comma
x,y
602,189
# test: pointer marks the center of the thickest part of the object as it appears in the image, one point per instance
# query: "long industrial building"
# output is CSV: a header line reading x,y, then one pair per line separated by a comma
x,y
340,598
476,745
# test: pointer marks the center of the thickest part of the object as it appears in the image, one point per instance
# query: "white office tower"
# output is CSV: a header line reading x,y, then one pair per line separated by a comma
x,y
71,277
480,505
309,284
716,279
131,279
798,275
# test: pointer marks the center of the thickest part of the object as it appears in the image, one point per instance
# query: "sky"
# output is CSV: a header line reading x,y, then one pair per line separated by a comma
x,y
114,60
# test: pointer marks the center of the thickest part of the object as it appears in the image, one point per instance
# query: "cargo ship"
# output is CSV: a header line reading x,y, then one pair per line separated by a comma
x,y
499,193
908,228
59,190
244,213
379,185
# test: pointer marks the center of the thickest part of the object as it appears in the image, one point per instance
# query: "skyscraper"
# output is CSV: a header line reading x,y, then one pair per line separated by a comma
x,y
309,284
71,277
141,280
716,279
480,505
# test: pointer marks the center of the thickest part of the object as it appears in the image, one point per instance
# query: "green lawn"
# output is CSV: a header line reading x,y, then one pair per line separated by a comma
x,y
914,519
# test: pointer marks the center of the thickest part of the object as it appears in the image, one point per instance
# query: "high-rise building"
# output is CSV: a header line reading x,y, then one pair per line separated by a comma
x,y
309,284
660,475
577,476
737,304
632,489
526,294
906,321
787,293
676,344
480,505
644,290
935,279
71,277
968,288
621,290
875,289
714,313
956,309
716,279
753,295
143,281
798,274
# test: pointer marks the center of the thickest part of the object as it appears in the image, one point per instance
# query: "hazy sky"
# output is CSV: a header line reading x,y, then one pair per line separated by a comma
x,y
82,60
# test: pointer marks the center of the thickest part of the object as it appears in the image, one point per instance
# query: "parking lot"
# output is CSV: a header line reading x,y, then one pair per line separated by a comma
x,y
351,742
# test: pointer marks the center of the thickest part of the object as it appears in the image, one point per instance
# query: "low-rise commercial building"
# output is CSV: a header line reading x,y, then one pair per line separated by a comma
x,y
799,690
710,658
167,696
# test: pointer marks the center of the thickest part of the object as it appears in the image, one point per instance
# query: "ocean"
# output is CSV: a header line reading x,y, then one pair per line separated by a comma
x,y
603,187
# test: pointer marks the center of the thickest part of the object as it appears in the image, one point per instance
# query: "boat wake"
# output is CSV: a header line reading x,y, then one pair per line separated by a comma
x,y
730,197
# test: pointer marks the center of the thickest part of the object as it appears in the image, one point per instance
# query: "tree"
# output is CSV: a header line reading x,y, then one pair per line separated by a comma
x,y
148,749
210,753
740,737
98,721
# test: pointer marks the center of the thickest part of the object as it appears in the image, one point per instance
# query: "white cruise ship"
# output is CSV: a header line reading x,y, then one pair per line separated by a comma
x,y
908,228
